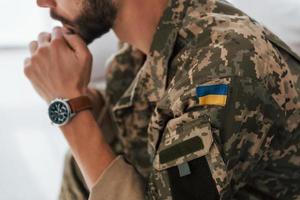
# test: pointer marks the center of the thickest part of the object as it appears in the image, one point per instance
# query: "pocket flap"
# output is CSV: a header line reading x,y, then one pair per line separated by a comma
x,y
191,142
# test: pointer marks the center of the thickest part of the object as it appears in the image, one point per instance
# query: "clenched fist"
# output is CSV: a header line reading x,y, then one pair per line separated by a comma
x,y
59,66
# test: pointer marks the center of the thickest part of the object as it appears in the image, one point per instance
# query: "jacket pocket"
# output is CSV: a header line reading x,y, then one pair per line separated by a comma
x,y
182,159
184,144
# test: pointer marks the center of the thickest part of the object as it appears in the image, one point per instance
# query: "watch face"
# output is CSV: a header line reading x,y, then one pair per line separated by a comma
x,y
59,112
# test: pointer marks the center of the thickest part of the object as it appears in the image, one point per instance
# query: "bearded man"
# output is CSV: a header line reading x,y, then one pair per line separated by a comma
x,y
205,101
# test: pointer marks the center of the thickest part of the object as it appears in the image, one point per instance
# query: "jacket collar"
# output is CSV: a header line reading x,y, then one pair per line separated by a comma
x,y
153,75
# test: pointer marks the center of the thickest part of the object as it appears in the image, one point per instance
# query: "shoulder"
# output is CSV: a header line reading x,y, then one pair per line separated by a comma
x,y
221,42
222,39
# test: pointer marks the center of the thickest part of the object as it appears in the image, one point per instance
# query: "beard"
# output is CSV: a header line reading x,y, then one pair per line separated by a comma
x,y
96,19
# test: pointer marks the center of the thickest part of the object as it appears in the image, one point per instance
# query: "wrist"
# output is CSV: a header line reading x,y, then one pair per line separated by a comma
x,y
61,111
76,93
76,121
71,94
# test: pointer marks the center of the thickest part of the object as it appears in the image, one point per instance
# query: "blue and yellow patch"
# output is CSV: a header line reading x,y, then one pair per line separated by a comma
x,y
212,94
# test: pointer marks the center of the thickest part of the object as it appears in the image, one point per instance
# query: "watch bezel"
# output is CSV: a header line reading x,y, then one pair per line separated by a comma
x,y
65,102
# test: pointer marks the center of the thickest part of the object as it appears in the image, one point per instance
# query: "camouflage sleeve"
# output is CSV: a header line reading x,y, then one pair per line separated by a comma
x,y
121,70
120,176
73,185
218,136
223,119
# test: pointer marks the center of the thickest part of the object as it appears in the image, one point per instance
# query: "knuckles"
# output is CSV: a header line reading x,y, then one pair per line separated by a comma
x,y
34,60
27,67
32,44
30,65
52,46
41,51
48,52
43,35
40,54
56,42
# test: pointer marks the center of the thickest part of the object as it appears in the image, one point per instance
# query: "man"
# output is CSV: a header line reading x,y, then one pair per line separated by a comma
x,y
212,113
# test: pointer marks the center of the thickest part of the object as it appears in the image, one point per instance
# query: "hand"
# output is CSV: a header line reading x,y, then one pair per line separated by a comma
x,y
59,66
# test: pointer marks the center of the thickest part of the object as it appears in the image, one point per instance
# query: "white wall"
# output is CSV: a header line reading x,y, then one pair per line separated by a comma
x,y
31,149
102,49
20,20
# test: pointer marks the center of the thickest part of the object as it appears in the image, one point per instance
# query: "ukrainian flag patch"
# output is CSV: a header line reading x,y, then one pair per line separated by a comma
x,y
212,94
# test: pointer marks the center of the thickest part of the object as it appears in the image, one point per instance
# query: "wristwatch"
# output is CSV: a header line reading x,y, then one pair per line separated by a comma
x,y
61,111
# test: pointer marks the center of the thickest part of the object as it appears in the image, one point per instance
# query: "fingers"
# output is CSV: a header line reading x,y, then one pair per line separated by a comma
x,y
33,47
76,43
44,38
26,65
59,38
57,33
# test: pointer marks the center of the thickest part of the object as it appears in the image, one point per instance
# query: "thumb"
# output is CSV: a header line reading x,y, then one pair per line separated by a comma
x,y
76,43
57,33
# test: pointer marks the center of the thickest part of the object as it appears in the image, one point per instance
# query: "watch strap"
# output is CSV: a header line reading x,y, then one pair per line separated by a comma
x,y
80,103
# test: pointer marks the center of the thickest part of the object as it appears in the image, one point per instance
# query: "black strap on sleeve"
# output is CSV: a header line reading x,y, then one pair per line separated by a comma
x,y
196,186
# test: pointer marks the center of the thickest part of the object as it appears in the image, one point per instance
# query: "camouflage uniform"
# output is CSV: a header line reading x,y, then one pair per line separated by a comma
x,y
246,147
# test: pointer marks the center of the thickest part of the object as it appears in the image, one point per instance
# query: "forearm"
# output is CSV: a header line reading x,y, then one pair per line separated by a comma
x,y
88,146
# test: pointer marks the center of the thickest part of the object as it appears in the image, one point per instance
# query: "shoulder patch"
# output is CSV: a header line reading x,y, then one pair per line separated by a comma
x,y
212,94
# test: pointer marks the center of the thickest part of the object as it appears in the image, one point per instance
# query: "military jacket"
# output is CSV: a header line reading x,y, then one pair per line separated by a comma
x,y
213,111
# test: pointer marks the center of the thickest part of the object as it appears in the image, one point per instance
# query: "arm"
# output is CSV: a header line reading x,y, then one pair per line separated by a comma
x,y
88,146
60,66
73,181
103,172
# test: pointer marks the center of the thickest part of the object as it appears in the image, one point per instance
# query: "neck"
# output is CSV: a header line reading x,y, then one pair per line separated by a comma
x,y
137,20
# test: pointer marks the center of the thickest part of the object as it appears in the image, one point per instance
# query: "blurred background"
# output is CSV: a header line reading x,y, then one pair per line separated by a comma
x,y
31,150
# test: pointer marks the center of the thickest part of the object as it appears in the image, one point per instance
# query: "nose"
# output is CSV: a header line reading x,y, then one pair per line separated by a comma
x,y
46,3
